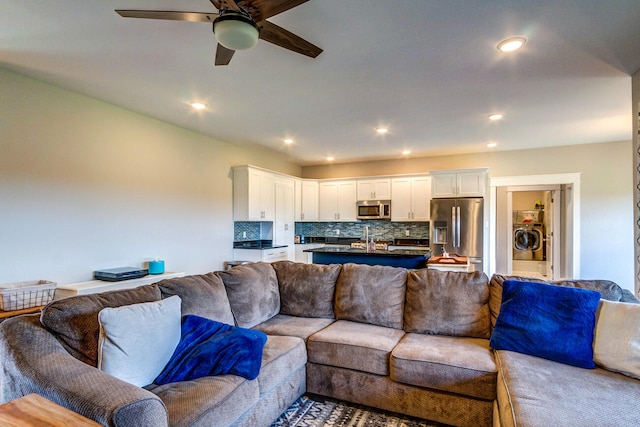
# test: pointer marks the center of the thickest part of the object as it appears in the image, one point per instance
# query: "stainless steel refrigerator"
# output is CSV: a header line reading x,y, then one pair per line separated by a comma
x,y
456,225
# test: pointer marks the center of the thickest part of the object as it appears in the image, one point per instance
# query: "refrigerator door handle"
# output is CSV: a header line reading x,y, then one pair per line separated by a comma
x,y
454,222
458,225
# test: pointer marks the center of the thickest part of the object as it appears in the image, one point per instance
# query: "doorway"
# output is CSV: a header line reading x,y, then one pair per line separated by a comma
x,y
535,226
536,235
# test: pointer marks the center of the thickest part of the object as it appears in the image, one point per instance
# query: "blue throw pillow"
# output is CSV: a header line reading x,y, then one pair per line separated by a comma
x,y
209,348
552,322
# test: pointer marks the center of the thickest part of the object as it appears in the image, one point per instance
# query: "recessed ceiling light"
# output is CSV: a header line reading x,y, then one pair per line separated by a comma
x,y
491,144
382,131
330,159
406,152
495,116
511,44
198,105
288,141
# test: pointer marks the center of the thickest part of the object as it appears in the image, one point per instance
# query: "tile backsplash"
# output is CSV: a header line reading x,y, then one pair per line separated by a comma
x,y
378,229
246,231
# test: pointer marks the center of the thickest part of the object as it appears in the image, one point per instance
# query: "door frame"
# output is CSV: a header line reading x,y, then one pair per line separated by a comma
x,y
572,179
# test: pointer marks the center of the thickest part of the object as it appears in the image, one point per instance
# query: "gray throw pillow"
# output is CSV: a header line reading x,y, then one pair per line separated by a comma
x,y
137,340
447,303
307,290
253,293
371,294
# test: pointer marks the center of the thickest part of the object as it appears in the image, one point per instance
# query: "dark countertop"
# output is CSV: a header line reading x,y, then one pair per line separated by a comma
x,y
405,241
354,251
330,240
256,244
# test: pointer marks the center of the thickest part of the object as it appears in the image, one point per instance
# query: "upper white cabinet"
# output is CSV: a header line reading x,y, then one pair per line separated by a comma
x,y
374,189
306,198
253,194
471,183
411,198
337,201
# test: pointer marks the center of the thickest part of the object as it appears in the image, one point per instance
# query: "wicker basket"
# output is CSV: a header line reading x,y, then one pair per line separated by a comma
x,y
20,295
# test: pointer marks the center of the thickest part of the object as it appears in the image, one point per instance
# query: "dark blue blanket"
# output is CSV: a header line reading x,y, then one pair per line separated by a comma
x,y
209,348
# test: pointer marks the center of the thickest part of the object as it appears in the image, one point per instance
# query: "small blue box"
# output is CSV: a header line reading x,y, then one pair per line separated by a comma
x,y
156,267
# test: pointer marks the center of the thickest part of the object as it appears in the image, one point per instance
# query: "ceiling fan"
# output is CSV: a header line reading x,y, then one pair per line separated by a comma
x,y
239,24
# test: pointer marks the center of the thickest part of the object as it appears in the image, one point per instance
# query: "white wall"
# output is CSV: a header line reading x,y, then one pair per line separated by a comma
x,y
85,185
606,173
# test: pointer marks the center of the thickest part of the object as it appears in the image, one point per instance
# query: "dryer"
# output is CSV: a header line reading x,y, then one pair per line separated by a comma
x,y
528,242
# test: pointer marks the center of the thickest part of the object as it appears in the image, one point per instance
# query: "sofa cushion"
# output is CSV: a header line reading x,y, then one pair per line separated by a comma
x,y
616,345
253,292
136,341
74,320
553,322
608,289
281,357
203,295
293,326
539,392
452,364
207,401
307,290
222,400
447,303
371,294
353,345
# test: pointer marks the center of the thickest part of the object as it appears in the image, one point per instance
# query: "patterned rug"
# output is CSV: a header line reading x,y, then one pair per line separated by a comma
x,y
317,411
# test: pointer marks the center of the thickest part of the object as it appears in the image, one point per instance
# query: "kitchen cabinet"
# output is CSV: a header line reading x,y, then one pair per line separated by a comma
x,y
306,257
470,183
265,255
374,189
337,201
253,194
306,200
410,198
284,216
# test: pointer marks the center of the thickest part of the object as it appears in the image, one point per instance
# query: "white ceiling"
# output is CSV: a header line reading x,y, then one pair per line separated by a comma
x,y
429,70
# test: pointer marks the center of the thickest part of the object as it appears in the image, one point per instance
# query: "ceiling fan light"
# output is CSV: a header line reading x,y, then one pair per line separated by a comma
x,y
236,31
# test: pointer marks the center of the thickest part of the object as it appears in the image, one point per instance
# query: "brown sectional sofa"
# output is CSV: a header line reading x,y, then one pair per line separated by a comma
x,y
409,341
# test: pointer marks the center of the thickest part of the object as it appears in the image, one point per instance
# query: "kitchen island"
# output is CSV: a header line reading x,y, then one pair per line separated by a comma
x,y
407,258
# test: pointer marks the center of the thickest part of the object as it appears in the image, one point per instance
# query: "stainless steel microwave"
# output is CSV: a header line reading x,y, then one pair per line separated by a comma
x,y
374,209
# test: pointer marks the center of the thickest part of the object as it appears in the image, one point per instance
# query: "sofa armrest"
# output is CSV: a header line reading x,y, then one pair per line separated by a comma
x,y
32,360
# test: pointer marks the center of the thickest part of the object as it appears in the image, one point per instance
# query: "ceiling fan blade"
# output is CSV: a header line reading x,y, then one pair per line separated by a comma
x,y
169,15
286,39
223,55
264,9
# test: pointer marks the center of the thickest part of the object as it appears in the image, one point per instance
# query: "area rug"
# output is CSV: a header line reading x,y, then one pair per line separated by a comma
x,y
317,411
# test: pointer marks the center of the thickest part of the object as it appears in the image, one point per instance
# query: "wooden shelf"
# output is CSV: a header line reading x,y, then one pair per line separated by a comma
x,y
97,286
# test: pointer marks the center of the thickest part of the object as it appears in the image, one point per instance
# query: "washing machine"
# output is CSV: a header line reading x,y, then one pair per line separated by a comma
x,y
528,242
